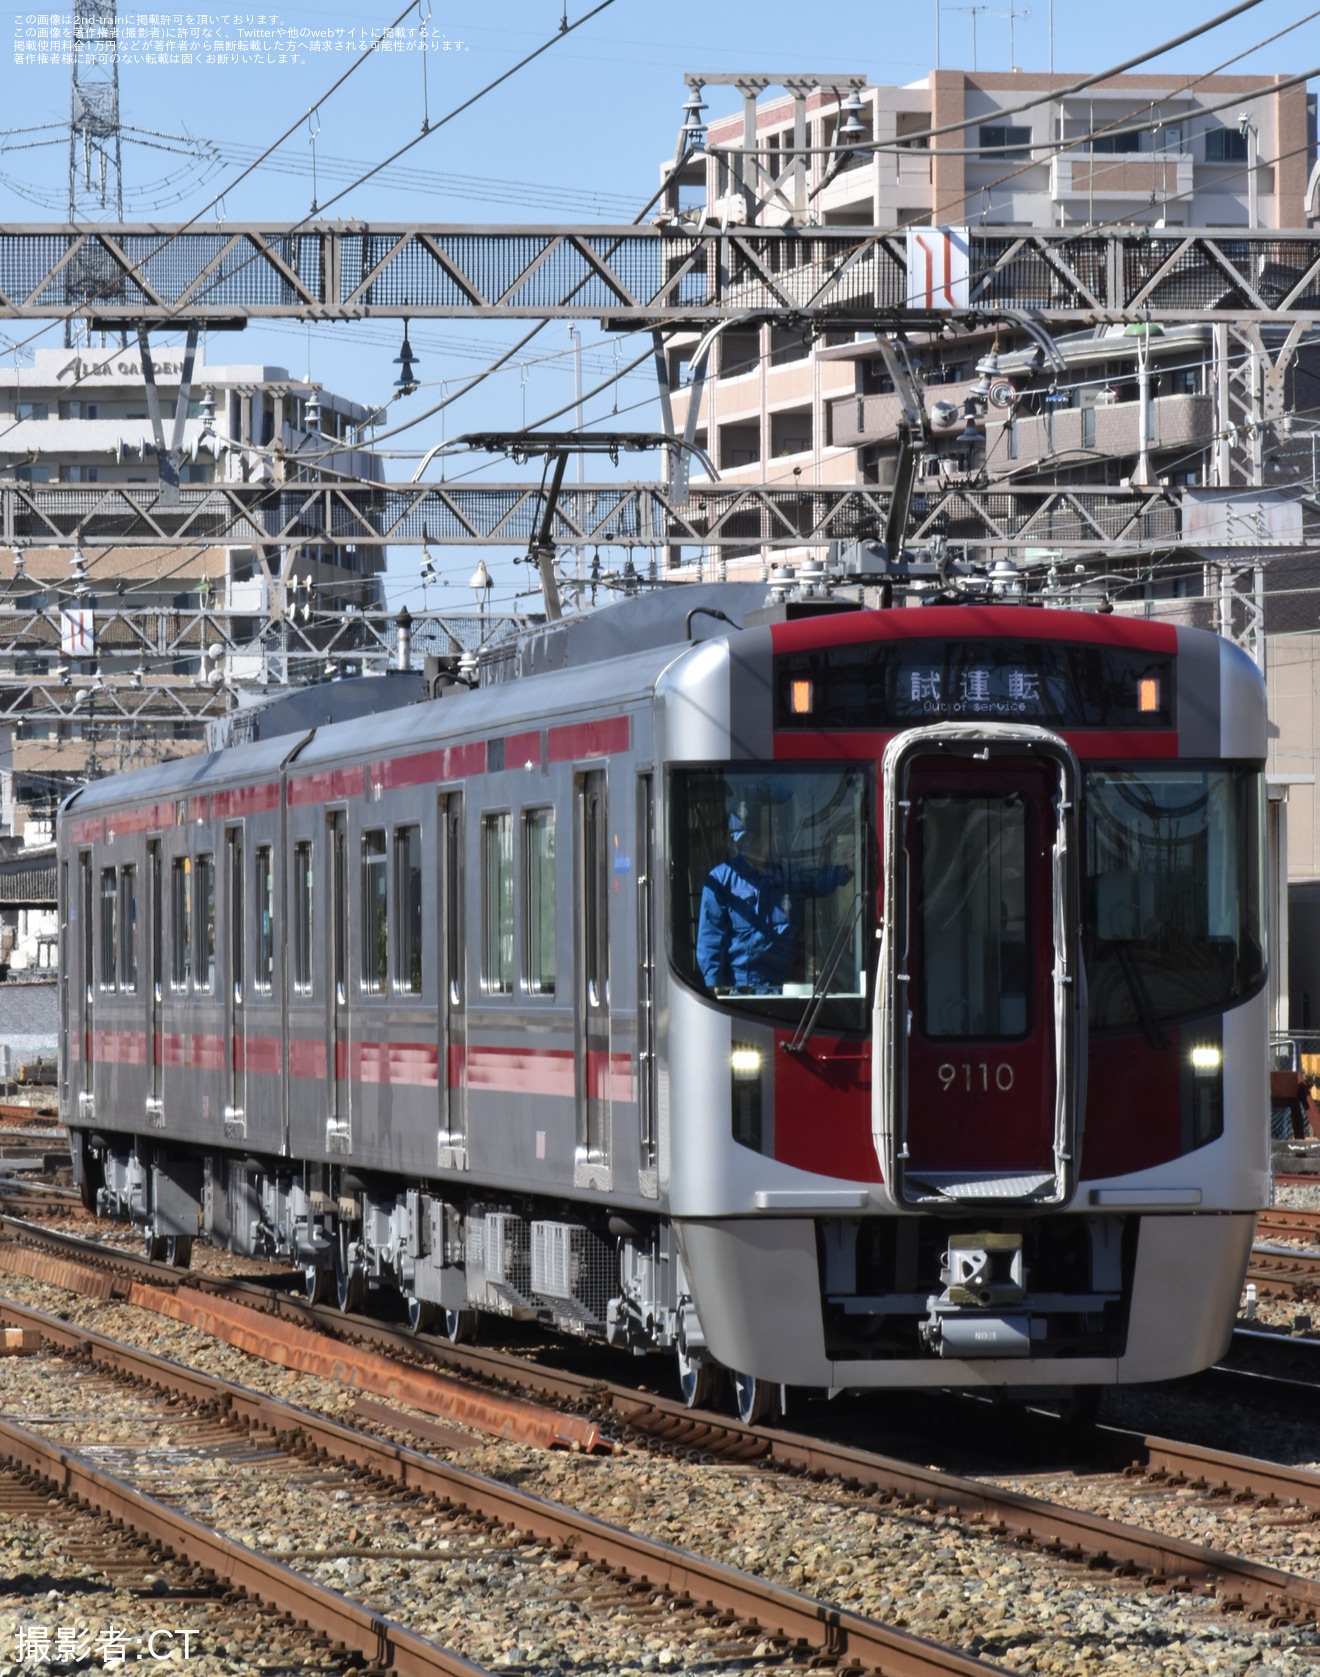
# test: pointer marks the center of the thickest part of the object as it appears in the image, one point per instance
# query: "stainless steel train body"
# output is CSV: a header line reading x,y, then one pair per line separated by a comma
x,y
434,1000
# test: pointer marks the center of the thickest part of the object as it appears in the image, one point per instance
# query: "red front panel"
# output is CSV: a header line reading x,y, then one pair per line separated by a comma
x,y
823,1108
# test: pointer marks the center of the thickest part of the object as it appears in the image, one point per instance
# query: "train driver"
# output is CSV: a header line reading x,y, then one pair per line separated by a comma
x,y
747,932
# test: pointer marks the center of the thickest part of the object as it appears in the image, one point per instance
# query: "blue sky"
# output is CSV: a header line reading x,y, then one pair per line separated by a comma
x,y
577,135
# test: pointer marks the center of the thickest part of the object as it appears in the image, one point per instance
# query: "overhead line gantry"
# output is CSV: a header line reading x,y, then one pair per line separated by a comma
x,y
156,275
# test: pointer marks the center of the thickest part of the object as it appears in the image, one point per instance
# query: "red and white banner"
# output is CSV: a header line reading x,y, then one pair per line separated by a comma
x,y
939,268
77,637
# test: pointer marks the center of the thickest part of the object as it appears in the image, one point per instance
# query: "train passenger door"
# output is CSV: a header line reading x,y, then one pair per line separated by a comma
x,y
452,945
63,922
592,928
155,986
647,1141
87,981
338,1084
235,978
981,1023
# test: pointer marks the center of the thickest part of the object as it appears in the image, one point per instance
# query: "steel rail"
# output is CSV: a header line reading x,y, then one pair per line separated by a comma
x,y
1200,1468
629,276
379,1638
688,1576
1283,1272
1287,1221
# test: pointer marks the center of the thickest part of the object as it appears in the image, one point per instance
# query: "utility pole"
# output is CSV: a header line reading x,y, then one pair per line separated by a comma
x,y
576,336
95,181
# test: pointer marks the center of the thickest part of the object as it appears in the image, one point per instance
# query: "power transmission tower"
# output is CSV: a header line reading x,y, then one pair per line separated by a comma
x,y
95,181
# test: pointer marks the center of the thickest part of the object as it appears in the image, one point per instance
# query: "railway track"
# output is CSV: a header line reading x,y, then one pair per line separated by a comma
x,y
1153,1559
721,1614
102,1570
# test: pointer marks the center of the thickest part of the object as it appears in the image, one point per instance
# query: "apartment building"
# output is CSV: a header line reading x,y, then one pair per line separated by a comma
x,y
1207,152
82,416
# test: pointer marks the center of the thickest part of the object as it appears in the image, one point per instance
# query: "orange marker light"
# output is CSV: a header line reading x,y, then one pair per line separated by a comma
x,y
799,698
1148,693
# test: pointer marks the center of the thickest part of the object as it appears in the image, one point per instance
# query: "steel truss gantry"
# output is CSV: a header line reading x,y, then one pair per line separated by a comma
x,y
158,274
633,515
114,692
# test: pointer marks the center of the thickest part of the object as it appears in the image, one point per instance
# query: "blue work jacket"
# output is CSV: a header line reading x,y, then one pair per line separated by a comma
x,y
747,930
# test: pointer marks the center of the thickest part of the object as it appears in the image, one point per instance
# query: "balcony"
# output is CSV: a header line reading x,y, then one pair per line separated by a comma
x,y
1133,177
1181,422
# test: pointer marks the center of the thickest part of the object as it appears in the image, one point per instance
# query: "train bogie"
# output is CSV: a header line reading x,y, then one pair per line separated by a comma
x,y
856,1000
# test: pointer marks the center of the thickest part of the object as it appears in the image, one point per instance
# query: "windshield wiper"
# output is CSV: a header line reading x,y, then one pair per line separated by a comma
x,y
1147,1017
807,1023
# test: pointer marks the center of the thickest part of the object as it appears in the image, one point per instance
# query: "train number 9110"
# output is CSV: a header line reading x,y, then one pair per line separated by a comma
x,y
976,1075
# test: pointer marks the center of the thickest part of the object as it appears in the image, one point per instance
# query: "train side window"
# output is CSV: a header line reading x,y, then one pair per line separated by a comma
x,y
539,900
204,933
234,885
303,883
128,931
264,974
497,903
375,923
109,928
181,922
408,910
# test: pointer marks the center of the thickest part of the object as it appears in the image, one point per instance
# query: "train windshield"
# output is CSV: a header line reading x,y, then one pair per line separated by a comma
x,y
768,886
1175,914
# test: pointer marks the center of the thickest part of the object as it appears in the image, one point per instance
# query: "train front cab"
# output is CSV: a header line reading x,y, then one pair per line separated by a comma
x,y
1012,1131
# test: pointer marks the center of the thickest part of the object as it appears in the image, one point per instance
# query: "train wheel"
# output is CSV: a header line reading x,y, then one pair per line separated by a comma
x,y
460,1326
422,1314
317,1283
350,1283
154,1245
698,1379
754,1399
91,1176
178,1251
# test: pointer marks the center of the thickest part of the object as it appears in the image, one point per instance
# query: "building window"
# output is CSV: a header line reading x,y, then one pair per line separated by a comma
x,y
181,922
497,903
109,931
31,410
787,345
408,910
1003,142
128,931
375,934
740,352
264,975
303,909
1225,145
790,432
1088,427
204,925
539,899
1116,143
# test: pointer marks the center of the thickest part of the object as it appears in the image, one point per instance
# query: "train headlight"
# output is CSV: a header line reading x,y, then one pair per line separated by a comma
x,y
745,1061
1148,694
1207,1059
745,1067
800,698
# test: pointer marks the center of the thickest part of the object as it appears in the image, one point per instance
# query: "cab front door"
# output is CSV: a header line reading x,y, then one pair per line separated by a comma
x,y
981,970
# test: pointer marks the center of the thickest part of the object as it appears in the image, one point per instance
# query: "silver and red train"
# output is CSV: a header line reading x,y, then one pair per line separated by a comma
x,y
456,1000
